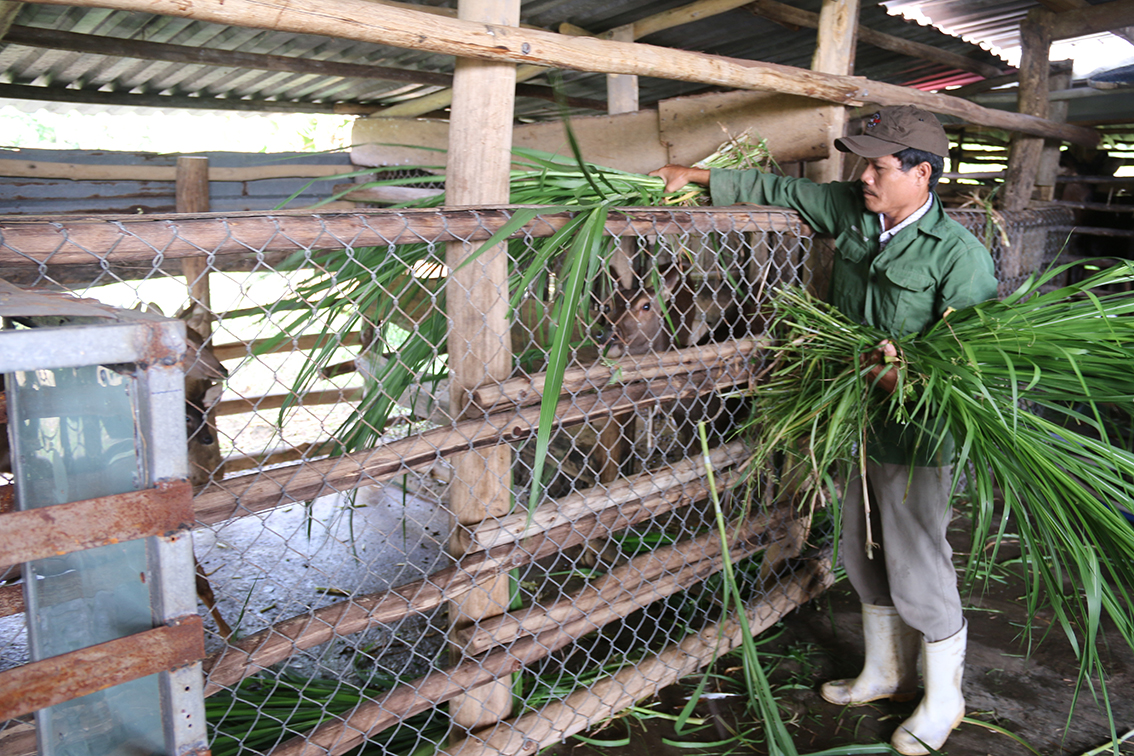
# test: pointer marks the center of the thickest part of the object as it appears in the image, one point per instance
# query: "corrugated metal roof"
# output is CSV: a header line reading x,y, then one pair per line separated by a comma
x,y
737,33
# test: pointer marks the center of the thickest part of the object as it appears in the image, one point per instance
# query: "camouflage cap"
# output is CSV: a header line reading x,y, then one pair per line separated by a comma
x,y
894,129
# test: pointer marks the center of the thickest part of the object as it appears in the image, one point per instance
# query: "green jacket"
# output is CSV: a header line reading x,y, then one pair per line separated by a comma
x,y
925,269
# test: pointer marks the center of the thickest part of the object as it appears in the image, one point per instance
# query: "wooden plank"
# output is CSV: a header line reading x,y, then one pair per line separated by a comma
x,y
834,53
693,127
622,89
65,528
40,684
1093,19
478,172
86,172
367,22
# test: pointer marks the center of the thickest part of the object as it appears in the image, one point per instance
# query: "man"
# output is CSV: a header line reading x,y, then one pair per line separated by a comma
x,y
900,265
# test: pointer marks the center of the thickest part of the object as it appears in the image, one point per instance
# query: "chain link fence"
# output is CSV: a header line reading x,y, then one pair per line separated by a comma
x,y
354,597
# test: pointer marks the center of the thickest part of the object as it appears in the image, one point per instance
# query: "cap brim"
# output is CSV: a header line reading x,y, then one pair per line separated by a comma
x,y
867,146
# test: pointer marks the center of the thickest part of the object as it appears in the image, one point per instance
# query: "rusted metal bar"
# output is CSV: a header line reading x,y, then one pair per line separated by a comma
x,y
61,678
52,240
64,528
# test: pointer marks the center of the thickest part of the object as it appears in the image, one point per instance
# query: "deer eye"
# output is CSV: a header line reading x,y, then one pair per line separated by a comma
x,y
646,306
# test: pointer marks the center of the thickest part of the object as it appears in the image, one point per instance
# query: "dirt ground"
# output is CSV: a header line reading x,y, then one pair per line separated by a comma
x,y
1028,695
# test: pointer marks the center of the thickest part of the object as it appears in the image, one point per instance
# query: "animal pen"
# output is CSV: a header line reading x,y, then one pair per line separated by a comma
x,y
348,598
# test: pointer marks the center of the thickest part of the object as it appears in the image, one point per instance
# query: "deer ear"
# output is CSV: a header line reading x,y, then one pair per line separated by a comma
x,y
671,280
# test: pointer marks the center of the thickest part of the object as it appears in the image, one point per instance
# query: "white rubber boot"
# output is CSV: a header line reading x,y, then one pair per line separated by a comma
x,y
943,706
890,667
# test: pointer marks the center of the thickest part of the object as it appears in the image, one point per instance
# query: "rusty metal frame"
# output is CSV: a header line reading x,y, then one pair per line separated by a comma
x,y
37,685
64,528
162,514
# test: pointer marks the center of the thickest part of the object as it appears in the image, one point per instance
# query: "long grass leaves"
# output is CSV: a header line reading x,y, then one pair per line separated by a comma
x,y
1037,391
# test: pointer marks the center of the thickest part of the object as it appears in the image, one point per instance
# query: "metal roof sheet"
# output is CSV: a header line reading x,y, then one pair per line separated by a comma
x,y
737,33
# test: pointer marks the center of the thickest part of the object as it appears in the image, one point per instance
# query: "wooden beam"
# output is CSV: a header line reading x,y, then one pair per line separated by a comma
x,y
834,53
1024,157
478,173
621,90
1093,19
1061,6
792,16
92,172
363,21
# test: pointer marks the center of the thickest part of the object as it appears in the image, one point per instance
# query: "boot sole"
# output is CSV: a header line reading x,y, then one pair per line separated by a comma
x,y
897,697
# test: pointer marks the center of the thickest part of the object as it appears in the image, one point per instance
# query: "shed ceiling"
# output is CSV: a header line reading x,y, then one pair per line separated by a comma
x,y
95,63
65,57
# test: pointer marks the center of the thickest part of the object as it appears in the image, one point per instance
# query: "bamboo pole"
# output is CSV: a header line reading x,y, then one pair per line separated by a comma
x,y
371,717
641,581
58,241
256,492
528,734
367,22
599,512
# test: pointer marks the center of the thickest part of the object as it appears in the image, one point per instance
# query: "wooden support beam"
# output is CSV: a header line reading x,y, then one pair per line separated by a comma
x,y
360,20
1059,78
621,89
792,16
1061,6
1024,158
834,54
477,174
1092,19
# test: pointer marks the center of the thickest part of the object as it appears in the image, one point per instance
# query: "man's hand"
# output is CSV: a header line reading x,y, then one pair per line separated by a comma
x,y
884,373
677,176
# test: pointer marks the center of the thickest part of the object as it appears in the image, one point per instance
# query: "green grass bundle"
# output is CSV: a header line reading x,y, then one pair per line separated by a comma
x,y
1035,390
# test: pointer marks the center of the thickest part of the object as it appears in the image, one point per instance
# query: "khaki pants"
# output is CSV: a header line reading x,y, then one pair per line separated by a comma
x,y
912,569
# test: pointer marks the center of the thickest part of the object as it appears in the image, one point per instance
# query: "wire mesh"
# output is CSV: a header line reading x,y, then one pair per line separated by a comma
x,y
347,604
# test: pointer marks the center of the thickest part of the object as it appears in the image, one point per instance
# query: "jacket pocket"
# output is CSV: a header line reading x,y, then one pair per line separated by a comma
x,y
907,304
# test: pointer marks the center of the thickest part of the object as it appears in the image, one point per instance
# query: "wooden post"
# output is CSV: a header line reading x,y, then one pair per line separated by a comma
x,y
621,89
834,54
1060,78
1024,158
193,197
480,143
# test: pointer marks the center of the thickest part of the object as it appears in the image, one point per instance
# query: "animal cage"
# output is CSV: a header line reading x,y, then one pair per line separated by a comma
x,y
392,561
100,534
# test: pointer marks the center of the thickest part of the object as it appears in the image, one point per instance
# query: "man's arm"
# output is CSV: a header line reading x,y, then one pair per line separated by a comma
x,y
677,176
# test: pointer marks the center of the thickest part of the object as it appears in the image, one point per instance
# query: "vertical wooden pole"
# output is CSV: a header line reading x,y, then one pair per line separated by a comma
x,y
621,89
480,142
1059,78
192,190
834,54
1024,157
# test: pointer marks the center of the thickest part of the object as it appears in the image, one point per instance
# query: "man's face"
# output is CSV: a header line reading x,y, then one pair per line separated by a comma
x,y
891,191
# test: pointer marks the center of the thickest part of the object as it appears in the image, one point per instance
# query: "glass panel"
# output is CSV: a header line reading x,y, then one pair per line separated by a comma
x,y
76,439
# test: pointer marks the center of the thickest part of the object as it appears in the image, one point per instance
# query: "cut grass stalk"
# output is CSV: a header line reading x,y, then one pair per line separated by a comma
x,y
1025,386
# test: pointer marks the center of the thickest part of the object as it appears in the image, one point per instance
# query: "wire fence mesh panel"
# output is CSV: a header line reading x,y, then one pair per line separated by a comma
x,y
327,442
